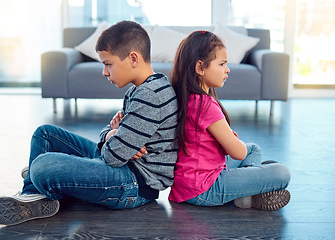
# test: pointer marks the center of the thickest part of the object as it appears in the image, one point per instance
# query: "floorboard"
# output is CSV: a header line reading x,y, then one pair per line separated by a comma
x,y
301,134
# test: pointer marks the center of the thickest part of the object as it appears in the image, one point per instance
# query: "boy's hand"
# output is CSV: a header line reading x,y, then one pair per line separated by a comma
x,y
114,123
110,133
140,153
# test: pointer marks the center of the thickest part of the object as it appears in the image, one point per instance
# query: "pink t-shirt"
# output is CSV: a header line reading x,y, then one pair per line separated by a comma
x,y
196,171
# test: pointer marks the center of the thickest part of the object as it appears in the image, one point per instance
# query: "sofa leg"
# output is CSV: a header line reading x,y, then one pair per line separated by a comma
x,y
76,106
54,105
271,108
256,107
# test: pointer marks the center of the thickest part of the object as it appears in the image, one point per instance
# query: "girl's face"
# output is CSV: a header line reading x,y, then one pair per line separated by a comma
x,y
216,73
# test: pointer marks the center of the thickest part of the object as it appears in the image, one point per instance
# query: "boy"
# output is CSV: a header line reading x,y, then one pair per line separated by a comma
x,y
136,154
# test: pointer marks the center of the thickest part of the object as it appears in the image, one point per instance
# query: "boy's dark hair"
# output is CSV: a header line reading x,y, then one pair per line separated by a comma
x,y
124,37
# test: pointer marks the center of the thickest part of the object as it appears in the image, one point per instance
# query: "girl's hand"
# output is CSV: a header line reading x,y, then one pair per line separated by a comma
x,y
140,153
114,123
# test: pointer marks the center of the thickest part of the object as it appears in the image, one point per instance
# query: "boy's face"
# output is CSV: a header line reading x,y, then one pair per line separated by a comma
x,y
117,71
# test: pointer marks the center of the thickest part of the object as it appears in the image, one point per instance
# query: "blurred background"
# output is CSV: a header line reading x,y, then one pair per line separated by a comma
x,y
305,29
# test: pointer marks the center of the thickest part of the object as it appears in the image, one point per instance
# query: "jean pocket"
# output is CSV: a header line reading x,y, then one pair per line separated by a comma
x,y
122,197
117,203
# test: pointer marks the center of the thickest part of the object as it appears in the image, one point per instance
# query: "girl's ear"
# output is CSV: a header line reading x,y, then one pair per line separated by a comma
x,y
134,59
199,68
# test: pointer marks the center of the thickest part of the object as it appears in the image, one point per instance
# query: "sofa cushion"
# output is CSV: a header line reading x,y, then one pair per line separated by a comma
x,y
164,44
87,47
244,82
85,80
237,44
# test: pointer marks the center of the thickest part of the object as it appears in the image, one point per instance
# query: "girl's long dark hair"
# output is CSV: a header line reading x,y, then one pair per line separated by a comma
x,y
199,45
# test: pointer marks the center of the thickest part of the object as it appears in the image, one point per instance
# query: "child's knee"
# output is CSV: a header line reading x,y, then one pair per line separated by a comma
x,y
253,148
42,130
41,167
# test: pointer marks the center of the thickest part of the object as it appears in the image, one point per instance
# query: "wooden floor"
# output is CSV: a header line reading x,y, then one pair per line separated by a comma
x,y
301,135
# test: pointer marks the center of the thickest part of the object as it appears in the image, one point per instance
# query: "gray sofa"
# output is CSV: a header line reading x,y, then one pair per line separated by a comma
x,y
66,73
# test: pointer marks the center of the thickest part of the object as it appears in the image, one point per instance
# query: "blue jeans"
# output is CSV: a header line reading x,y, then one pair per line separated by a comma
x,y
65,164
244,178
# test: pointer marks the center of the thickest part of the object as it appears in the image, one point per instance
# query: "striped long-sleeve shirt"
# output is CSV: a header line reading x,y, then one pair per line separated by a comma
x,y
150,119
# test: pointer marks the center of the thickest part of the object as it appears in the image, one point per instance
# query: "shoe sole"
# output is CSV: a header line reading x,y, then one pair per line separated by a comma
x,y
24,172
13,211
271,201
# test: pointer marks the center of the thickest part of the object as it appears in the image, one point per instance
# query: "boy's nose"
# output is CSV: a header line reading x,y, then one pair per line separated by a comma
x,y
105,72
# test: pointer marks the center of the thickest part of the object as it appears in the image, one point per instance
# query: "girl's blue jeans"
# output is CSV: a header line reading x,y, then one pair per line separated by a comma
x,y
65,164
244,178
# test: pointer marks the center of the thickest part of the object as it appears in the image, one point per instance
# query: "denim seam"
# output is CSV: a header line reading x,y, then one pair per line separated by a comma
x,y
214,192
204,200
97,187
50,134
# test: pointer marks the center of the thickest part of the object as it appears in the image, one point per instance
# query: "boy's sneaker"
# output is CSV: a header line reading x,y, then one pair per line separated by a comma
x,y
21,208
269,201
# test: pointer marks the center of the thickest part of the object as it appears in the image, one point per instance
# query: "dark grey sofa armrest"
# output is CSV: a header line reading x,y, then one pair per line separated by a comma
x,y
274,67
54,70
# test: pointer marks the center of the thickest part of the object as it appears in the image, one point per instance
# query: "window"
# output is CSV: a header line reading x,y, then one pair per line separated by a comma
x,y
314,58
82,13
261,14
27,28
146,12
178,13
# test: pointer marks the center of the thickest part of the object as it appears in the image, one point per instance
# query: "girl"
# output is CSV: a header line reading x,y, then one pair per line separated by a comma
x,y
202,174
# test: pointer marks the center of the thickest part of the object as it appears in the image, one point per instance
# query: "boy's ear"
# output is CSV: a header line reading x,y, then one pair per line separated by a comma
x,y
199,68
134,58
